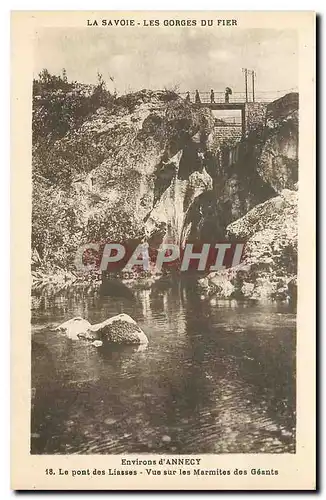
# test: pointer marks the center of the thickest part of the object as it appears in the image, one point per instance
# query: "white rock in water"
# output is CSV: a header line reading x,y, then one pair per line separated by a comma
x,y
97,343
74,327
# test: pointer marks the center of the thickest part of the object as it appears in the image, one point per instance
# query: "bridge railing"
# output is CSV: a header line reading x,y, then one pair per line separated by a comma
x,y
219,97
238,97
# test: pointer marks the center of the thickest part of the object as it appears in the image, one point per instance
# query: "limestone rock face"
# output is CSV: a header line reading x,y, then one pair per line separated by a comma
x,y
250,171
136,160
278,161
169,215
268,270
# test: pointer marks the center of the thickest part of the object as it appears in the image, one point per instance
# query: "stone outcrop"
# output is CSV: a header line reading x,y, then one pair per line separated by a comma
x,y
169,214
131,168
269,267
252,171
278,161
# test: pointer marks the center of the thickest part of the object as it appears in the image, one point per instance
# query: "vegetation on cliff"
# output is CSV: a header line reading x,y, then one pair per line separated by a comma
x,y
102,163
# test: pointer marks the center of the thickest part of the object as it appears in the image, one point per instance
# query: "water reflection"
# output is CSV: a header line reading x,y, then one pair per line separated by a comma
x,y
216,377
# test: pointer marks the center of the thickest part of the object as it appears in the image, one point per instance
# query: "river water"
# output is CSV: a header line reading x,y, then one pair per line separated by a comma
x,y
216,377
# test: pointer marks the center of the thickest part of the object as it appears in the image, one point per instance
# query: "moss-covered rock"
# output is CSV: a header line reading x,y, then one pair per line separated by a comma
x,y
120,329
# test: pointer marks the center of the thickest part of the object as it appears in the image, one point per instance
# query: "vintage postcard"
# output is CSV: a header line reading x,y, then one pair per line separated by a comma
x,y
163,250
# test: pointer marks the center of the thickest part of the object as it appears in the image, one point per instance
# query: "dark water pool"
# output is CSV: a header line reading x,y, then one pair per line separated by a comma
x,y
216,377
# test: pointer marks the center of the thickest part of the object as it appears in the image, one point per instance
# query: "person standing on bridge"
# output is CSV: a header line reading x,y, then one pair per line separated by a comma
x,y
197,97
212,97
188,97
228,92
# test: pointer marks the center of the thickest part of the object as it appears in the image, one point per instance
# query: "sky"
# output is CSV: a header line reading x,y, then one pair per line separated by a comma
x,y
156,58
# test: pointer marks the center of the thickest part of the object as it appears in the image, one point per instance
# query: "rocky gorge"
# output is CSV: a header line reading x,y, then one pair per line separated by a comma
x,y
146,167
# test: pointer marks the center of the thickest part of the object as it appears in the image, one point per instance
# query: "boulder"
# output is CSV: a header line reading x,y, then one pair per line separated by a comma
x,y
74,327
120,329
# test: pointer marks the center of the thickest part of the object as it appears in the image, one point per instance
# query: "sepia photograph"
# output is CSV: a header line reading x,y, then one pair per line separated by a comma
x,y
163,238
164,143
